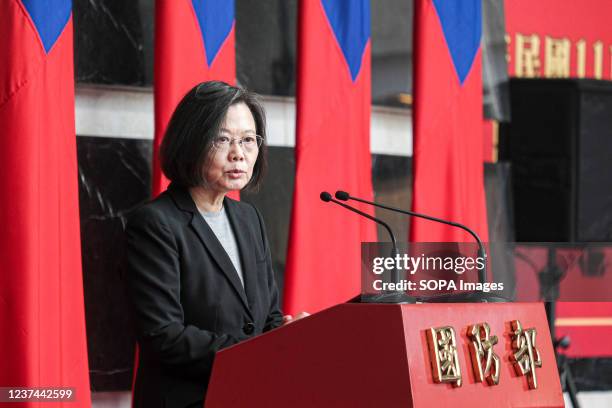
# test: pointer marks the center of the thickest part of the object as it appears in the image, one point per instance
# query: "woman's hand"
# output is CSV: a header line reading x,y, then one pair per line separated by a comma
x,y
288,318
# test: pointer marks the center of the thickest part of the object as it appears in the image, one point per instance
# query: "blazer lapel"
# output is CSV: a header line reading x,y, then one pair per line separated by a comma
x,y
210,241
245,240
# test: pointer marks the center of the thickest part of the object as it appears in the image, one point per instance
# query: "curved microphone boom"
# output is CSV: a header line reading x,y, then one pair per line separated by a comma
x,y
482,272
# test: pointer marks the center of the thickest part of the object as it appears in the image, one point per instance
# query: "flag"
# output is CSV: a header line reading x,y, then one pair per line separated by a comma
x,y
332,153
42,318
447,120
194,42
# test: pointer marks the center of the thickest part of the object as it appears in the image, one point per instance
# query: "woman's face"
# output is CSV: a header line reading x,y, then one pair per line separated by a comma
x,y
231,168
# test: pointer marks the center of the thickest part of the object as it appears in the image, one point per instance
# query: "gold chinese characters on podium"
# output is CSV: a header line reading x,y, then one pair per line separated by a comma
x,y
443,353
485,362
526,356
444,359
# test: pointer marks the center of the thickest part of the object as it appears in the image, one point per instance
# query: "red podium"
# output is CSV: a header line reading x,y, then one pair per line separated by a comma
x,y
383,355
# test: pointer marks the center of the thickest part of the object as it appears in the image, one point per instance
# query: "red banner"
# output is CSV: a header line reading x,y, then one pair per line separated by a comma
x,y
42,317
448,127
332,153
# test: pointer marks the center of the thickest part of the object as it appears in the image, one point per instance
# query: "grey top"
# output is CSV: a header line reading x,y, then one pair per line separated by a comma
x,y
219,223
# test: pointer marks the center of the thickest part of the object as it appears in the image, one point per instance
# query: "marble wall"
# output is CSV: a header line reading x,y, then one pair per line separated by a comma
x,y
114,178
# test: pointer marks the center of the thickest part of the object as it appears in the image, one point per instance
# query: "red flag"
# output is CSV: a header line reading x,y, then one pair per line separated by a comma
x,y
194,42
448,148
332,153
42,318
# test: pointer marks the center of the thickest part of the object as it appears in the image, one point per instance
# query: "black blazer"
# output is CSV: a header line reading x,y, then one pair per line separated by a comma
x,y
186,296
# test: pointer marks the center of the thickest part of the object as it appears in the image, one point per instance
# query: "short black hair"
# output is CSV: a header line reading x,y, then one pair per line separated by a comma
x,y
195,123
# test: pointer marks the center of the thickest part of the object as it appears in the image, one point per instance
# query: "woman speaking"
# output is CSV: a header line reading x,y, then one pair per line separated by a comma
x,y
199,269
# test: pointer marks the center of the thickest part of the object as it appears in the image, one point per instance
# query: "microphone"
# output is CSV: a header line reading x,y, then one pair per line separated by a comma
x,y
392,297
482,272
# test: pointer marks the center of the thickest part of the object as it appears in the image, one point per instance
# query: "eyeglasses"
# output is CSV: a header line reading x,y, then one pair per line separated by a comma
x,y
248,143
